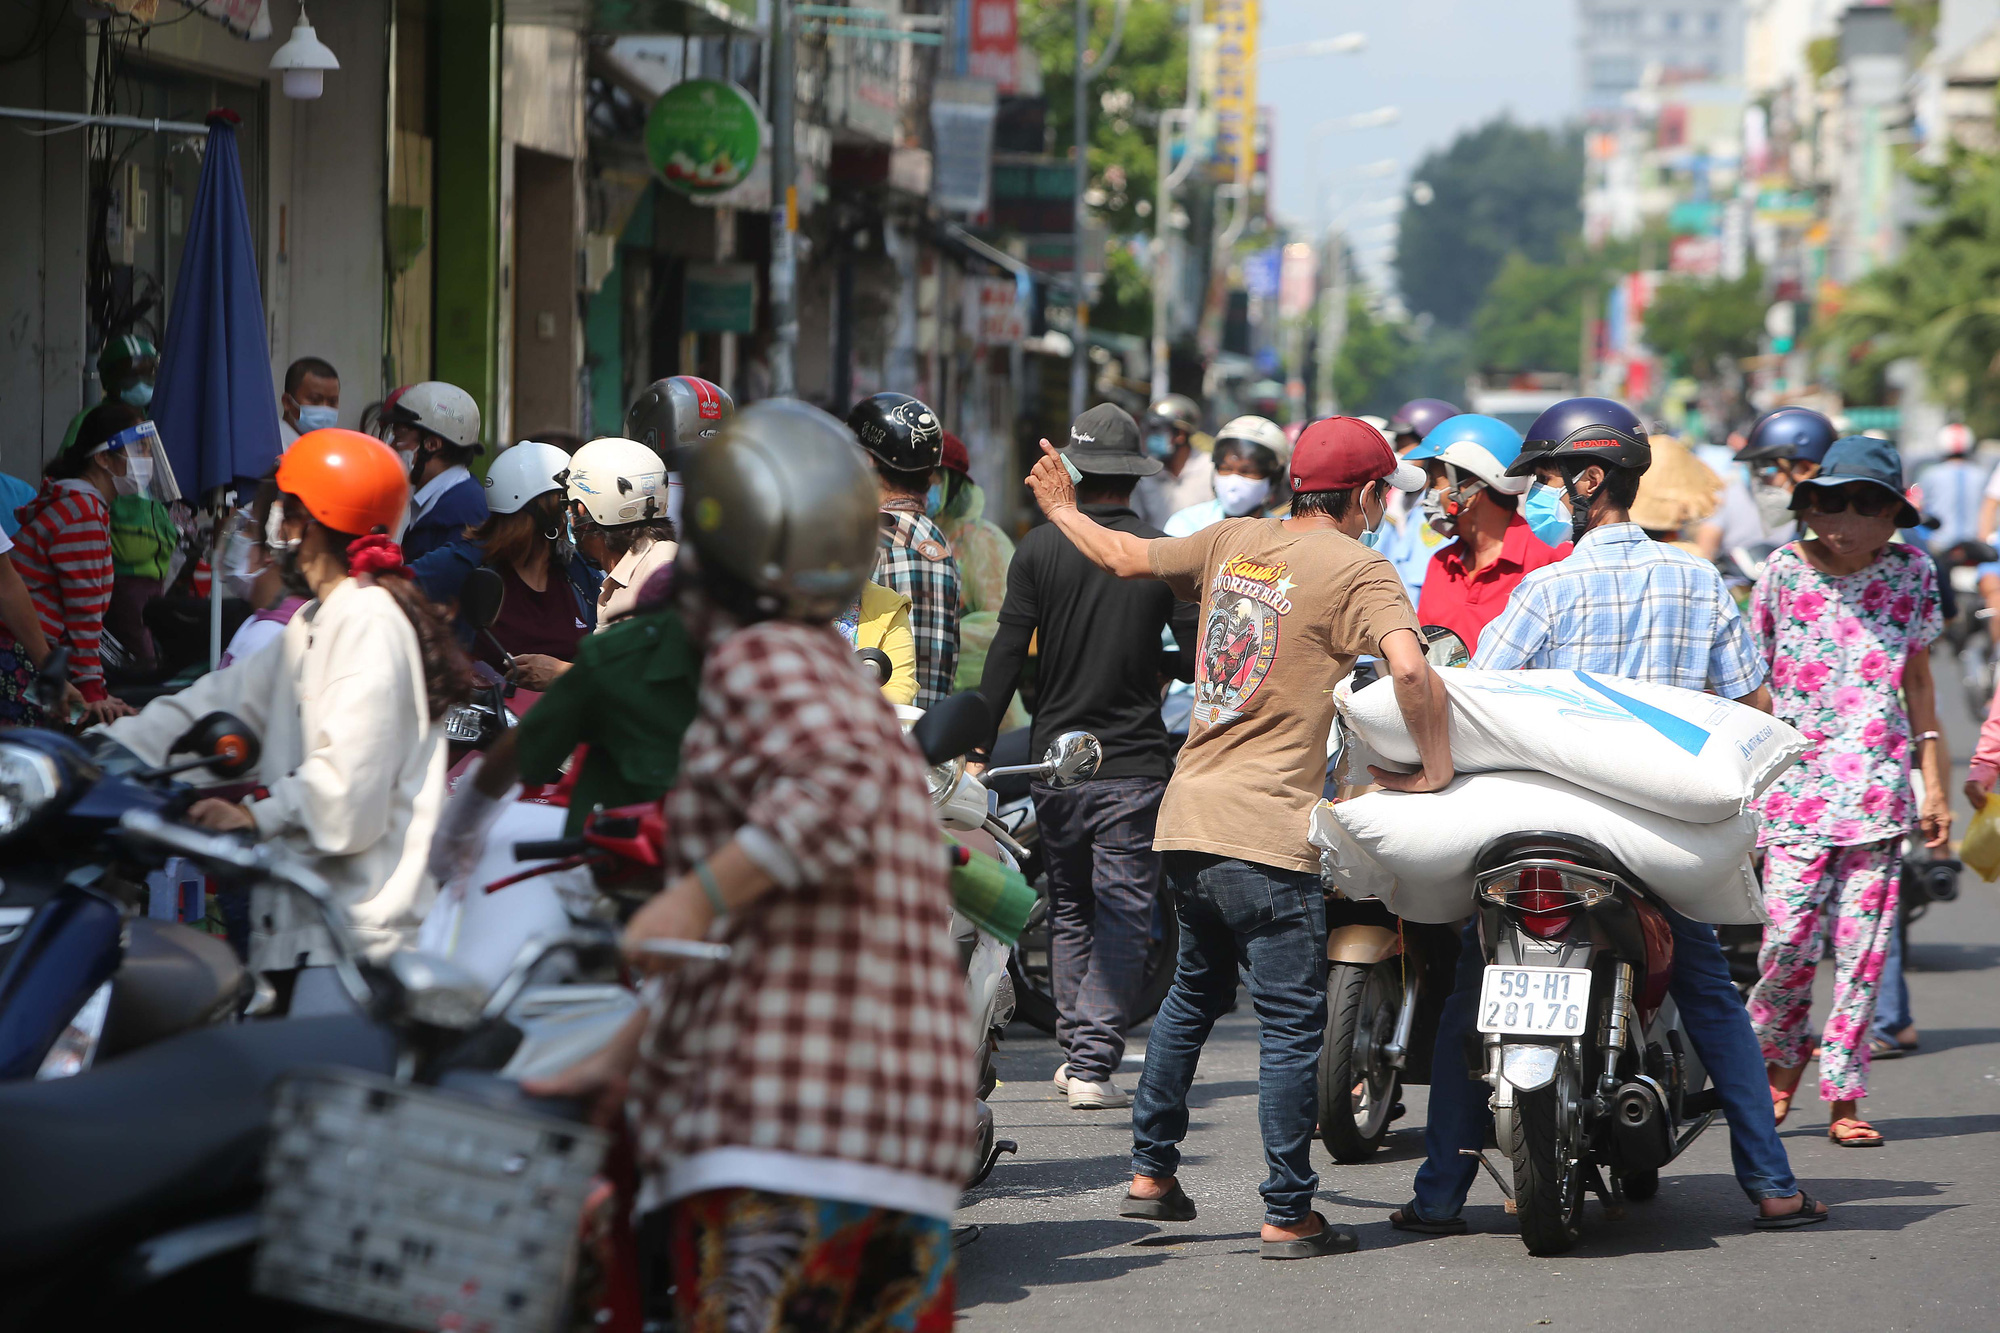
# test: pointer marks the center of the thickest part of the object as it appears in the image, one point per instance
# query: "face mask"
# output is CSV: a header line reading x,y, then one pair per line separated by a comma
x,y
124,483
1547,514
140,472
1372,537
313,416
934,501
237,553
1774,506
1241,495
1441,523
1160,444
137,395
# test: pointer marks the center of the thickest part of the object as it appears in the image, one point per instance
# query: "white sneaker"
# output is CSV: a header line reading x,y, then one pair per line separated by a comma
x,y
1087,1096
1061,1081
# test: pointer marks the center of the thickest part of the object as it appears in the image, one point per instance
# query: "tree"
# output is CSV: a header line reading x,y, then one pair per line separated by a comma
x,y
1532,317
1497,190
1694,323
1376,363
1937,301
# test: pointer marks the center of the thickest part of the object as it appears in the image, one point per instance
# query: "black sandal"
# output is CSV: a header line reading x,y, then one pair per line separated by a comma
x,y
1173,1206
1407,1218
1329,1239
1809,1212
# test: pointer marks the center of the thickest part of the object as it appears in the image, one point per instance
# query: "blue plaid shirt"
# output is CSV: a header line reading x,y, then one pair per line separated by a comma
x,y
1625,605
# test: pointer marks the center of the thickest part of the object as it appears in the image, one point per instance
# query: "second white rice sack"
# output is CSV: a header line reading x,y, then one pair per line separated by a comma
x,y
1685,754
1416,851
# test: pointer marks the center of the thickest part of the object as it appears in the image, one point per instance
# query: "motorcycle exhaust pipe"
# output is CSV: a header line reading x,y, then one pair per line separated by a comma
x,y
1640,1125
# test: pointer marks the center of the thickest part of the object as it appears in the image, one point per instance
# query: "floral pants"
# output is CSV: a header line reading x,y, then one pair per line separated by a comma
x,y
1812,892
746,1261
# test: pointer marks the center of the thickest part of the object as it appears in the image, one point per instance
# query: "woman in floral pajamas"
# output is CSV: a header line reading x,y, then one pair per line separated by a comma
x,y
1845,617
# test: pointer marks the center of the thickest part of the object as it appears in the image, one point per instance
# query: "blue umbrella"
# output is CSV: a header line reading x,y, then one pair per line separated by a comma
x,y
214,402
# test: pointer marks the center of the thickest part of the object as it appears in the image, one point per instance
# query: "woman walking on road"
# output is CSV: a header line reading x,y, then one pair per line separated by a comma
x,y
1845,617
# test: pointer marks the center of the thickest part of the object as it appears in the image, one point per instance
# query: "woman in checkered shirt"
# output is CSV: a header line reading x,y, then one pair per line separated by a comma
x,y
803,1110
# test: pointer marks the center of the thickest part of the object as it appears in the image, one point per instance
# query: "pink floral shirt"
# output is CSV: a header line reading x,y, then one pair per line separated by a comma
x,y
1837,648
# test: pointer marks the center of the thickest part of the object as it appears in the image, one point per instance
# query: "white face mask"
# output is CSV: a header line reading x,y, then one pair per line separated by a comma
x,y
1241,495
1774,506
127,482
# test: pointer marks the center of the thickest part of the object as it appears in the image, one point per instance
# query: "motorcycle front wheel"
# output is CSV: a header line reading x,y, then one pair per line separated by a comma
x,y
1543,1136
1357,1085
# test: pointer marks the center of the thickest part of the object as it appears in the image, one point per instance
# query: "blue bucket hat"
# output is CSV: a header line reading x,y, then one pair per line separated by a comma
x,y
1862,458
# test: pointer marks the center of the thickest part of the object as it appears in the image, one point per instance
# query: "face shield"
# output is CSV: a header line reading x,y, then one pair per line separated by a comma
x,y
148,473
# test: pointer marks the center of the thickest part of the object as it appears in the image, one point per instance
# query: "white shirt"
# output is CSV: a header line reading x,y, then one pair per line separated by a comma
x,y
1159,497
288,435
428,493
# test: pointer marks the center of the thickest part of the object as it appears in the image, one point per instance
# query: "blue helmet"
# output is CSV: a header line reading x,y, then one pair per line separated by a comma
x,y
1788,432
1485,447
1584,431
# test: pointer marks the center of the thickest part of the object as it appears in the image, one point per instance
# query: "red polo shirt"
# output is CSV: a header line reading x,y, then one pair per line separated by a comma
x,y
1465,602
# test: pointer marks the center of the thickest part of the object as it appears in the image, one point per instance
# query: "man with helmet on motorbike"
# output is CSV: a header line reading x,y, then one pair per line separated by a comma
x,y
1406,541
905,441
1475,503
673,416
804,1108
1621,604
617,492
435,427
1784,448
1187,473
1251,456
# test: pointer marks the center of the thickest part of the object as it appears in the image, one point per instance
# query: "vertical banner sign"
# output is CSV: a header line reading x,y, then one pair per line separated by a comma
x,y
1236,23
962,116
994,45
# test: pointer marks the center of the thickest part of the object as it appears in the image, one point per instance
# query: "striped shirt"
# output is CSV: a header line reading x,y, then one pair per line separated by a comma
x,y
916,560
63,551
1623,604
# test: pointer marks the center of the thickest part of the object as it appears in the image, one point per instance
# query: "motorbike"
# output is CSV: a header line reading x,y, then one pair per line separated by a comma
x,y
1970,631
84,975
188,1175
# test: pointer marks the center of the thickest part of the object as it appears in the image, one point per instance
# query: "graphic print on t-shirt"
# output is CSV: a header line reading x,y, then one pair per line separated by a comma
x,y
1240,639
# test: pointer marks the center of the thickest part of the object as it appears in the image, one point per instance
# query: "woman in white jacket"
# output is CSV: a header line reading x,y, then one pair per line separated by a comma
x,y
347,705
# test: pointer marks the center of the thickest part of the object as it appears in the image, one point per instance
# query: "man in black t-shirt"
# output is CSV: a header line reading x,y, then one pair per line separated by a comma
x,y
1100,670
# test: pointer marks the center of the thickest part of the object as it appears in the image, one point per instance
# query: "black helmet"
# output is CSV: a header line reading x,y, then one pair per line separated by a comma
x,y
1585,430
1788,432
902,433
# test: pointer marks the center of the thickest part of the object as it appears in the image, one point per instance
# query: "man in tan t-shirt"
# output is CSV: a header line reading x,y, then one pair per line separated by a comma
x,y
1286,606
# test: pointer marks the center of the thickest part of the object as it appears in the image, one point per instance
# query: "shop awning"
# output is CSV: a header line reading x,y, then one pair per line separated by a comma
x,y
686,18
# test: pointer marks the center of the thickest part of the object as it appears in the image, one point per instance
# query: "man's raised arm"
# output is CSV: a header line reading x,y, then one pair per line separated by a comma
x,y
1118,553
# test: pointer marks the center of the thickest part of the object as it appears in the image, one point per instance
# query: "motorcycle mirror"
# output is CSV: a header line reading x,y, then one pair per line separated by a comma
x,y
438,991
1442,648
50,680
876,663
480,596
226,745
1073,757
951,727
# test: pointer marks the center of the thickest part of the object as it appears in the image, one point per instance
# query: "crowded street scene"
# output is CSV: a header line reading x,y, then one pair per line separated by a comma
x,y
748,666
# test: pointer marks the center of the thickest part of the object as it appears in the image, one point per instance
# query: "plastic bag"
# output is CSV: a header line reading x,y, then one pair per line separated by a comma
x,y
1981,848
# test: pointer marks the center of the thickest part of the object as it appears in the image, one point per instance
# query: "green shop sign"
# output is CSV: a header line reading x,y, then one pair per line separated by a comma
x,y
702,136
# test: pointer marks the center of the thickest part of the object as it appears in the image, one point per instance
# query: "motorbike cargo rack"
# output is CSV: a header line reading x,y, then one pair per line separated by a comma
x,y
417,1208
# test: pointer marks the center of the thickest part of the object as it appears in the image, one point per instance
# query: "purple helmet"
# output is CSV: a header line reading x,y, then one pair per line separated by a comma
x,y
1420,415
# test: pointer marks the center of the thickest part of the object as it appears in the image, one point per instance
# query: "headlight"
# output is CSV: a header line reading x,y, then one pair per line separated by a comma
x,y
29,781
943,780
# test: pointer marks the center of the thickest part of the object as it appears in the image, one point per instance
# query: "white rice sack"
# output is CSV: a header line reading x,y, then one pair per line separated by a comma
x,y
1416,851
1683,753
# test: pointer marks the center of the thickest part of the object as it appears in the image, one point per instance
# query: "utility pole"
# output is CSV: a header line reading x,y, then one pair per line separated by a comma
x,y
1079,365
1332,324
784,202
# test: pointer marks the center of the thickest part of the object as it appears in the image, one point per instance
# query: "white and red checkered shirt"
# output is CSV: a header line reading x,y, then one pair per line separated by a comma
x,y
830,1057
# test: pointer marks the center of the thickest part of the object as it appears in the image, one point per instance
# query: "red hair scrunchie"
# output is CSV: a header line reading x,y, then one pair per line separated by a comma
x,y
376,555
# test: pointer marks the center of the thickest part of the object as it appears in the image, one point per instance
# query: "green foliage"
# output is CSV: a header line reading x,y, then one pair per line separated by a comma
x,y
1384,363
1694,322
1532,317
1498,190
1938,302
1822,56
1125,302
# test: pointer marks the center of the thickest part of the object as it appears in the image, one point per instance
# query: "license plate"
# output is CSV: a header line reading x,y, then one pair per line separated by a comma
x,y
1535,1001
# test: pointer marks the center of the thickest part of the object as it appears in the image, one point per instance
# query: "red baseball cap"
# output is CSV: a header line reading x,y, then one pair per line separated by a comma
x,y
1336,453
956,459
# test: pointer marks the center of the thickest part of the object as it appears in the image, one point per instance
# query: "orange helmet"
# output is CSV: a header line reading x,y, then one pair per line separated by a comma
x,y
351,482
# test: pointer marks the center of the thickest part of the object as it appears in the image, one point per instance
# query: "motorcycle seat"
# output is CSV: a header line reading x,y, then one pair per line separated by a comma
x,y
166,1135
172,979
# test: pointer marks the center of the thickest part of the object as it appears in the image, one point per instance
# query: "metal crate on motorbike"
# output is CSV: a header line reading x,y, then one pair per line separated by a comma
x,y
420,1209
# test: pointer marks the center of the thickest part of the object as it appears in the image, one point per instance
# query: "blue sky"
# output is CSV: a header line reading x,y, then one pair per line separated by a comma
x,y
1447,64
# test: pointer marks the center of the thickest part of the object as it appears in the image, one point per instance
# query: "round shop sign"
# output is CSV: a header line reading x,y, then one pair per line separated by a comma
x,y
702,136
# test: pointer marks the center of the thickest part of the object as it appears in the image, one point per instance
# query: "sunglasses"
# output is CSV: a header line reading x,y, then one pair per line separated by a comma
x,y
1866,500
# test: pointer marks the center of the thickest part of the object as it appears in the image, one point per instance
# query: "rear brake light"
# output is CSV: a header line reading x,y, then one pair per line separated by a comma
x,y
1544,901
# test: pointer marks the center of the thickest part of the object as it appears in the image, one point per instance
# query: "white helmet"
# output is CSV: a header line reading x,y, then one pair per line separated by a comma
x,y
1259,431
520,474
618,482
442,409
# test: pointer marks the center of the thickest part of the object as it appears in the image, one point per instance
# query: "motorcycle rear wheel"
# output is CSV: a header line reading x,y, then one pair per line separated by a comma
x,y
1361,1002
1546,1148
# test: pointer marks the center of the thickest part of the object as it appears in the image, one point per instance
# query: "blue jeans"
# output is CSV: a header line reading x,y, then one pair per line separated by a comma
x,y
1274,920
1717,1025
1892,993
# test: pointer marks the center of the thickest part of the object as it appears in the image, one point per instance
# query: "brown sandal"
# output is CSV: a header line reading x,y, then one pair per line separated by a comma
x,y
1868,1137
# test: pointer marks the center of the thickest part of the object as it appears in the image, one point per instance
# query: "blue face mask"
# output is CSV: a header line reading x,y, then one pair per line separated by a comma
x,y
1545,515
1372,538
313,417
137,395
1160,444
934,500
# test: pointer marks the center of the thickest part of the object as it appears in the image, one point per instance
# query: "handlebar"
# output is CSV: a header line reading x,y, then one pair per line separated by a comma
x,y
550,849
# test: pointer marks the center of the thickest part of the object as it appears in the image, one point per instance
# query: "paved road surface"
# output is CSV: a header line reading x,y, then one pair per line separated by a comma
x,y
1914,1242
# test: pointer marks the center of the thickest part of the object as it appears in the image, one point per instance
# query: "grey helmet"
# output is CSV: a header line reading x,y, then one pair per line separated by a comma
x,y
785,504
678,413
